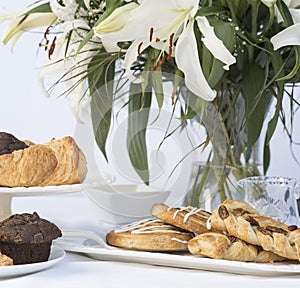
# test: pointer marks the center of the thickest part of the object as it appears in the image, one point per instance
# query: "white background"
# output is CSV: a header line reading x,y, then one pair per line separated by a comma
x,y
28,114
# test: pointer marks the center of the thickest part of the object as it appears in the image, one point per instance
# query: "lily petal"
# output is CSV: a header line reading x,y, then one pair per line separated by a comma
x,y
87,4
296,15
32,21
116,20
187,59
66,12
214,44
287,37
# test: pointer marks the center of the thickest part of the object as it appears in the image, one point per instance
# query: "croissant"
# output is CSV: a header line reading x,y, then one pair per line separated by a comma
x,y
242,221
57,162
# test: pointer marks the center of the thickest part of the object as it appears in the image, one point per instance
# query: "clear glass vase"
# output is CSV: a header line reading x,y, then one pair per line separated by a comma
x,y
211,184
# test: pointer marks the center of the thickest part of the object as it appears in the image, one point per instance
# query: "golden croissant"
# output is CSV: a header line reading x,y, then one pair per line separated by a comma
x,y
58,162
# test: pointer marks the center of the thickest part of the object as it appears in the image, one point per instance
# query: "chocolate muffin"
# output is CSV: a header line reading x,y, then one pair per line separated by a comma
x,y
9,143
26,238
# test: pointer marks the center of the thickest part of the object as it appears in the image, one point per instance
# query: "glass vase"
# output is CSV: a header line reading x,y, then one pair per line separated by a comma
x,y
211,184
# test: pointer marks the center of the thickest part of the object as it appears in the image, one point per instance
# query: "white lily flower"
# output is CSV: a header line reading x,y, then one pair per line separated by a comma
x,y
34,20
174,19
74,64
66,12
287,37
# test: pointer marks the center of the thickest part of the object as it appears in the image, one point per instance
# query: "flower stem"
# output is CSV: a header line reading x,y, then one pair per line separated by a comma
x,y
254,13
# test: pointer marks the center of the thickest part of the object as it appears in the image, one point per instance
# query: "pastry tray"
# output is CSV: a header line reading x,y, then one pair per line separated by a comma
x,y
180,260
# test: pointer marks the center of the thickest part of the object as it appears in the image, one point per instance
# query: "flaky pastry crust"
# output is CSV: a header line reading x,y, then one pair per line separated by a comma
x,y
149,235
58,162
239,219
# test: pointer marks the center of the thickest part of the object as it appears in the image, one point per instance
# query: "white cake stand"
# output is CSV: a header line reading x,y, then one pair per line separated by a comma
x,y
7,194
95,180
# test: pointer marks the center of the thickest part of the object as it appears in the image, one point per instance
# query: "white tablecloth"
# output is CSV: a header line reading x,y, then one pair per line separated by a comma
x,y
71,212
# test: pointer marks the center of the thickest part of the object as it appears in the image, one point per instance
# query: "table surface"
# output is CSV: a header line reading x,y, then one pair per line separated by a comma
x,y
71,212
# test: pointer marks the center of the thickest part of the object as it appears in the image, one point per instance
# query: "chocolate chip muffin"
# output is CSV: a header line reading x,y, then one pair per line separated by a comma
x,y
9,143
26,238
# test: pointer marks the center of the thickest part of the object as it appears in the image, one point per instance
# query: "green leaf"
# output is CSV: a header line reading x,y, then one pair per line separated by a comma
x,y
138,116
102,90
296,67
211,11
158,87
267,157
277,66
154,78
257,100
43,8
285,13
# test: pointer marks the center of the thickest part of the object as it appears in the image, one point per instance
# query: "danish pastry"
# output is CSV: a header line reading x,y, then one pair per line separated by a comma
x,y
149,235
188,218
220,246
57,162
242,221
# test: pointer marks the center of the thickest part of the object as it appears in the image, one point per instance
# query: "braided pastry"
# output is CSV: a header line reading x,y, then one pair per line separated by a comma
x,y
210,242
189,218
242,221
219,246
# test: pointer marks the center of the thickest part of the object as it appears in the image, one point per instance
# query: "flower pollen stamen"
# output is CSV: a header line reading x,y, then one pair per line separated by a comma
x,y
151,34
47,32
52,47
170,46
160,63
139,48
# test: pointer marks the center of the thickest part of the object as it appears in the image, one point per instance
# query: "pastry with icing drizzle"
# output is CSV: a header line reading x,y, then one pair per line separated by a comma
x,y
213,240
149,235
188,218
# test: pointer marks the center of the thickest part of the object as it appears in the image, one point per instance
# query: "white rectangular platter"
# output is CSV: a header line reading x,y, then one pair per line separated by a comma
x,y
182,260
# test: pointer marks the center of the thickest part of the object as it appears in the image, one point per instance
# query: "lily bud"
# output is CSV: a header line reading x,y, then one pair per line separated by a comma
x,y
32,21
116,20
269,3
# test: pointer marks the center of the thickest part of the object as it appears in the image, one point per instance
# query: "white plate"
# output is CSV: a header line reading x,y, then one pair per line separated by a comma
x,y
180,260
54,190
41,191
56,255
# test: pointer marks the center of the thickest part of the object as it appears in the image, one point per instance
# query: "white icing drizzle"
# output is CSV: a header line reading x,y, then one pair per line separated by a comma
x,y
208,223
177,211
179,240
155,229
135,225
190,211
145,227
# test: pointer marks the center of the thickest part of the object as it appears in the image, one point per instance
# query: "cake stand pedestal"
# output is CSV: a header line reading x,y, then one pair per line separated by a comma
x,y
5,206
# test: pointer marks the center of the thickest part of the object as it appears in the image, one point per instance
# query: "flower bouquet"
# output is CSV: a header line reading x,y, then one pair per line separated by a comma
x,y
227,62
